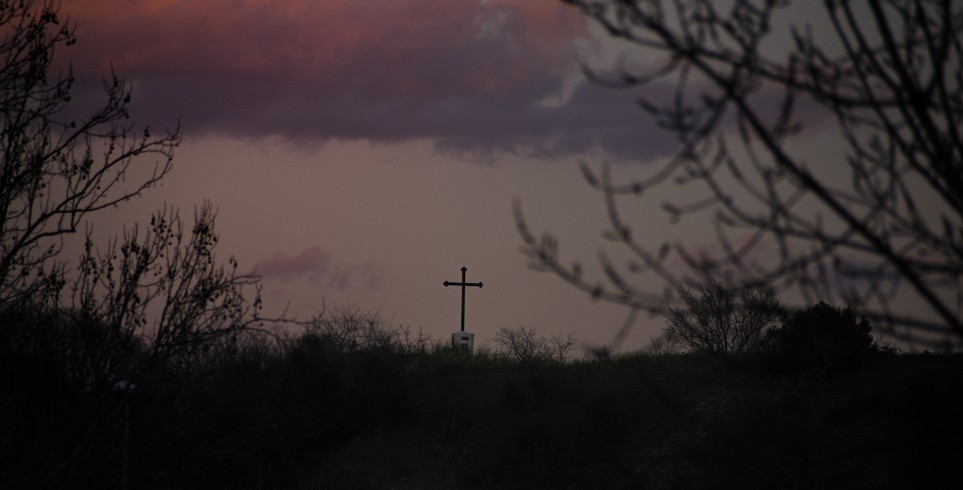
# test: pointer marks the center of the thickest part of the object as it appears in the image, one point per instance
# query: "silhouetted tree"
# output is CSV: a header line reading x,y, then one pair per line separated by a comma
x,y
145,307
885,212
719,319
821,342
54,169
561,346
165,286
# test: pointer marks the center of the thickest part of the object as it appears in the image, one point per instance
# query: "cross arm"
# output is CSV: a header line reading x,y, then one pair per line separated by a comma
x,y
449,283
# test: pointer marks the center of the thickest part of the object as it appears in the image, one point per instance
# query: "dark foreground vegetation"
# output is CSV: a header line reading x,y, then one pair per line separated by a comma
x,y
369,405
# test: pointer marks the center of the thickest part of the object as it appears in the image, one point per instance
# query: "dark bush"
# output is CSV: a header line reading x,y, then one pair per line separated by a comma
x,y
59,420
819,343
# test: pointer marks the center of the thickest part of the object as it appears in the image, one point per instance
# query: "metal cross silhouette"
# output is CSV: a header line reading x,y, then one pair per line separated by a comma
x,y
463,284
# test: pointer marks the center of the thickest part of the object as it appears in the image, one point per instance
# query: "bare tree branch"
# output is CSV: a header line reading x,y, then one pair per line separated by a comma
x,y
165,286
55,171
891,81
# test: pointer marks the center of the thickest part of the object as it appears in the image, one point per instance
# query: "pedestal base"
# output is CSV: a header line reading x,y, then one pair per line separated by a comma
x,y
463,341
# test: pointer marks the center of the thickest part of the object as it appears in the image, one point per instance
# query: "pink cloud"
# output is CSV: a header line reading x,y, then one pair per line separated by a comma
x,y
311,36
312,263
315,265
467,75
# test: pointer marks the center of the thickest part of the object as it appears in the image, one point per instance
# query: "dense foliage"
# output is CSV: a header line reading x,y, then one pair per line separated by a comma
x,y
821,342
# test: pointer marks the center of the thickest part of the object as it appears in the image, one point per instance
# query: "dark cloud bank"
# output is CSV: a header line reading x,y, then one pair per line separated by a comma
x,y
471,82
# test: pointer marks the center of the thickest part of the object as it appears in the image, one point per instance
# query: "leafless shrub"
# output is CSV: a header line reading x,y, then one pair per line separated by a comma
x,y
164,285
348,328
525,345
719,319
665,344
561,346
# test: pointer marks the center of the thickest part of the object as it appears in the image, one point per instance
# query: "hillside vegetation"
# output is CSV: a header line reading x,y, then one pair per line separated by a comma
x,y
402,411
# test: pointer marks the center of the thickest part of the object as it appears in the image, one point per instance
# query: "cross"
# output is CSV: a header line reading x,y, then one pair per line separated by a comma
x,y
463,284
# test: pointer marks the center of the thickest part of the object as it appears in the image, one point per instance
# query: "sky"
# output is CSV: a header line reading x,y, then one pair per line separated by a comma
x,y
363,151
